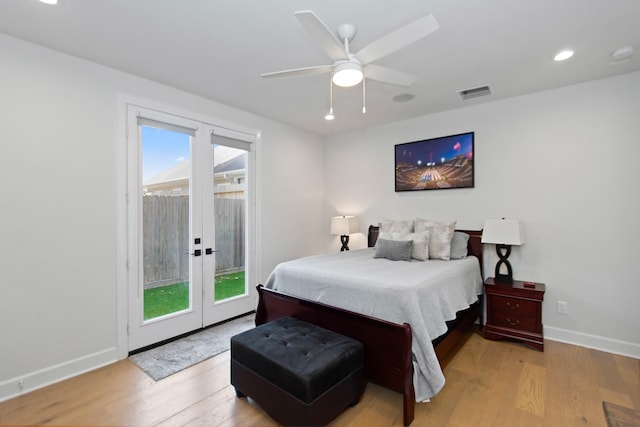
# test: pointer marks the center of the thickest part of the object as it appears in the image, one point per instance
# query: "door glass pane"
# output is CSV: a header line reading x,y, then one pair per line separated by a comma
x,y
230,191
165,223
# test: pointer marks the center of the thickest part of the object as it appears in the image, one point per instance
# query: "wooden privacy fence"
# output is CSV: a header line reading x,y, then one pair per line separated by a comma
x,y
166,238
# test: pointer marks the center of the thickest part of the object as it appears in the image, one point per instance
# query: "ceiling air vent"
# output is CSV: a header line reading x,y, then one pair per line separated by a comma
x,y
475,92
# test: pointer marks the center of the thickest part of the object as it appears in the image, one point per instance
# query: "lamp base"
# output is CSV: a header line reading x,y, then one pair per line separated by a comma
x,y
503,252
344,239
503,278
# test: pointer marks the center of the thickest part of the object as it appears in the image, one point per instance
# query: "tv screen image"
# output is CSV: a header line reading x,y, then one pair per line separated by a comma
x,y
435,164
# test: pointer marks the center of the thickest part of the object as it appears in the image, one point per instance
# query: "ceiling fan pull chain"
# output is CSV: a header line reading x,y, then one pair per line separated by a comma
x,y
330,116
364,96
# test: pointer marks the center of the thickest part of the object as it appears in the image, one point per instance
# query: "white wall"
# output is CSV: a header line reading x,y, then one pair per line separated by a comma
x,y
565,162
60,172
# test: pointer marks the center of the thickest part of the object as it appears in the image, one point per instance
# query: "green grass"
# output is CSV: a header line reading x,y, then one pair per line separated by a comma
x,y
165,299
229,285
171,298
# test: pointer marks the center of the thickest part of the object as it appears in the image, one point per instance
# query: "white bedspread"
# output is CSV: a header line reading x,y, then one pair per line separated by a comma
x,y
424,294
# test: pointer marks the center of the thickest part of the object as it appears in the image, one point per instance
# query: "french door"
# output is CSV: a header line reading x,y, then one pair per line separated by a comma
x,y
190,225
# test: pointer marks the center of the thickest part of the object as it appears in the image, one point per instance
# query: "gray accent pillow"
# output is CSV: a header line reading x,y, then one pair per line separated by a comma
x,y
420,250
459,245
394,250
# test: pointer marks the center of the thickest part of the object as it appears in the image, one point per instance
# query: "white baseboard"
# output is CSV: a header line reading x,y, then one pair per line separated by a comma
x,y
44,377
593,341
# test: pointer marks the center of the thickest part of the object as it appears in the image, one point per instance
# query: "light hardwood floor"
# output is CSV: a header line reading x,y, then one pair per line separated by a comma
x,y
488,384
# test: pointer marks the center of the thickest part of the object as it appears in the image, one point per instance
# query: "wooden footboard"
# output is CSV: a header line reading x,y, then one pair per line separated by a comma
x,y
387,346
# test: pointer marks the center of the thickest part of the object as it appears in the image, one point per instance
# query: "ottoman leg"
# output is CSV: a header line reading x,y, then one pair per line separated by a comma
x,y
239,393
355,402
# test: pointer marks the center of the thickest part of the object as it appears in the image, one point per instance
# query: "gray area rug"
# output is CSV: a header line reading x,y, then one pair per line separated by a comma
x,y
620,416
167,359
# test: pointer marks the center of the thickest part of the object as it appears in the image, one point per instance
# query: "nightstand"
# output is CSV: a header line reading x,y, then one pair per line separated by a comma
x,y
514,311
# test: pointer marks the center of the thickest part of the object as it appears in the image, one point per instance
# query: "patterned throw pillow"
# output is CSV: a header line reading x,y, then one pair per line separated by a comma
x,y
440,237
396,226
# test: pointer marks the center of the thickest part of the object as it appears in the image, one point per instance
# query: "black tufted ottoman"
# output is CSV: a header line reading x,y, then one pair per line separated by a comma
x,y
299,373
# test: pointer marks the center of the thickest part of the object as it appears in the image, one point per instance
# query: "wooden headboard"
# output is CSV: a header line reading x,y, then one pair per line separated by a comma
x,y
474,246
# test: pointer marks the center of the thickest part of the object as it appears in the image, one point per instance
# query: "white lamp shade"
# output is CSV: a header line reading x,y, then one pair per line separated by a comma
x,y
503,231
344,225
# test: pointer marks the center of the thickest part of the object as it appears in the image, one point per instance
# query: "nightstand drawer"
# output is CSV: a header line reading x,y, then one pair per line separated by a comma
x,y
507,305
514,320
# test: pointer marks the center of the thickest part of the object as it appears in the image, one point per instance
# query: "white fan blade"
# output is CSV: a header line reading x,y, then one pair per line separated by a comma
x,y
387,75
307,71
398,39
323,35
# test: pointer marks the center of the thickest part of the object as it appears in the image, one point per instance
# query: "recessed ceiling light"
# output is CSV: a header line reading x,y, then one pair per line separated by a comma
x,y
405,97
622,53
562,55
49,1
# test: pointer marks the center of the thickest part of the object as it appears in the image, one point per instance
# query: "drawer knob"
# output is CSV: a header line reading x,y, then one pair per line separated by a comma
x,y
516,305
512,322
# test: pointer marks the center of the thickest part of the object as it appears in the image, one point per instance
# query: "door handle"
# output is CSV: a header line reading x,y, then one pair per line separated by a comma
x,y
209,251
196,252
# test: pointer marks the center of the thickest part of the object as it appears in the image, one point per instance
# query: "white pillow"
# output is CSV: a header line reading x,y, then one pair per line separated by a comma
x,y
420,248
440,237
396,226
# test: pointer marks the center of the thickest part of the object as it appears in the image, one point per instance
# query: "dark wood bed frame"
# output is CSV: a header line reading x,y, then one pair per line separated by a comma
x,y
387,345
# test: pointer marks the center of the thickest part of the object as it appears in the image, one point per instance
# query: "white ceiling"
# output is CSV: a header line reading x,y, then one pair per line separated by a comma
x,y
217,49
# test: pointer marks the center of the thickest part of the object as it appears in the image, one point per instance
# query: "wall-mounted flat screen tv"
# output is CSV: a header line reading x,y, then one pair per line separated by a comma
x,y
435,164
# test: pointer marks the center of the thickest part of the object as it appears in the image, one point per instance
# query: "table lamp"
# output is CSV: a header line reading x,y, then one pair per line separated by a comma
x,y
503,233
344,225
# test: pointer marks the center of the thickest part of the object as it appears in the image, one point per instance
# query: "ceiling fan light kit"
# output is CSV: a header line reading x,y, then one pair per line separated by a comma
x,y
347,74
349,69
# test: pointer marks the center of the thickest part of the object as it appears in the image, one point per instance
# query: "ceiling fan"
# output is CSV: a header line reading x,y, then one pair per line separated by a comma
x,y
350,68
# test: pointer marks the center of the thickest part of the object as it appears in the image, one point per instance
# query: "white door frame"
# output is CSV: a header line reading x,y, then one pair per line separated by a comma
x,y
145,332
217,311
125,271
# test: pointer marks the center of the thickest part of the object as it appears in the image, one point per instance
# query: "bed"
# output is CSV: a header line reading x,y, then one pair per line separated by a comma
x,y
389,323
